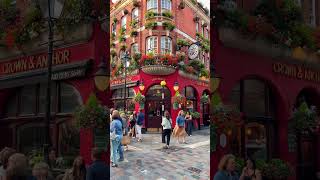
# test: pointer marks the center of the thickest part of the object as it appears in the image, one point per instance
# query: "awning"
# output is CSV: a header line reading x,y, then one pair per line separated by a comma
x,y
59,72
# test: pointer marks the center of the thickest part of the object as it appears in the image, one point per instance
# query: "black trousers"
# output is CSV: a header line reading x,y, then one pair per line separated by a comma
x,y
189,127
166,132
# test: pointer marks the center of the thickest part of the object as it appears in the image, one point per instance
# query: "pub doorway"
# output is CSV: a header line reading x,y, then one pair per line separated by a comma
x,y
156,96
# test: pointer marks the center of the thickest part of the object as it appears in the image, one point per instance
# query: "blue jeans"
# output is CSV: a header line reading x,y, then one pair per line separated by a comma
x,y
116,144
120,150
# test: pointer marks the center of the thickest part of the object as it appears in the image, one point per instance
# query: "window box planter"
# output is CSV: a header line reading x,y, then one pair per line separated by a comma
x,y
151,25
161,70
134,33
188,75
234,39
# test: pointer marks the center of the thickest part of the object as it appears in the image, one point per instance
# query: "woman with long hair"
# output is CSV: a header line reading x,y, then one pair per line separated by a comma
x,y
166,124
78,170
250,172
116,137
179,131
17,168
227,168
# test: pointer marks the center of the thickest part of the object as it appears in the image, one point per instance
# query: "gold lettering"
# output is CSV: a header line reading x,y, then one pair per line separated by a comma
x,y
66,56
31,63
300,72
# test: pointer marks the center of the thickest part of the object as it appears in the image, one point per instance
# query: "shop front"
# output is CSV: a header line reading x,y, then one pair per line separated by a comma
x,y
267,92
158,97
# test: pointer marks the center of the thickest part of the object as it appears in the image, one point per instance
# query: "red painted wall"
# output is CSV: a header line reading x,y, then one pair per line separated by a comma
x,y
233,65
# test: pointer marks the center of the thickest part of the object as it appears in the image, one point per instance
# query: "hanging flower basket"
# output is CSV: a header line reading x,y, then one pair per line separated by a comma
x,y
141,105
175,106
204,99
139,98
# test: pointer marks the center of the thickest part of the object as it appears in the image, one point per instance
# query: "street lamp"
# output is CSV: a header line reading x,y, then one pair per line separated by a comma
x,y
125,58
141,86
163,84
101,77
51,10
176,86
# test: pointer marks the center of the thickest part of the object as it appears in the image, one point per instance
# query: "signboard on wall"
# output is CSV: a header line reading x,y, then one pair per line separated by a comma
x,y
296,72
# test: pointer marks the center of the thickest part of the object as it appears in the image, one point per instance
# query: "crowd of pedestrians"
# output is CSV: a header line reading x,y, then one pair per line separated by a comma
x,y
227,170
15,166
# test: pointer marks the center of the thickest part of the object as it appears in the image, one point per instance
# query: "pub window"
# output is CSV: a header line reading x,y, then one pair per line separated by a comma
x,y
31,137
152,5
152,44
254,98
69,139
135,14
124,22
190,94
166,45
165,5
28,100
11,107
43,97
134,48
118,98
69,98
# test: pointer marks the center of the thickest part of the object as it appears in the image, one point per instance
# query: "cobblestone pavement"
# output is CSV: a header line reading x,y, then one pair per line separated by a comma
x,y
147,160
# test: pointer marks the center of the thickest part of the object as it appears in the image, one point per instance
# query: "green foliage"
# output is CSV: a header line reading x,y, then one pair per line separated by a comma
x,y
168,25
91,114
302,35
134,33
204,99
136,56
115,20
240,164
167,14
35,157
182,42
122,39
134,23
195,115
150,14
216,99
151,25
123,47
303,119
113,52
139,98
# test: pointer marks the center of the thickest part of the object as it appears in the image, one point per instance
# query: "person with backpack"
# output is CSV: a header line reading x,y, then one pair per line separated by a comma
x,y
167,125
140,121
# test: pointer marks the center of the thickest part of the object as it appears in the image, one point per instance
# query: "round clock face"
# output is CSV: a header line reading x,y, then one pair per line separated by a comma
x,y
193,51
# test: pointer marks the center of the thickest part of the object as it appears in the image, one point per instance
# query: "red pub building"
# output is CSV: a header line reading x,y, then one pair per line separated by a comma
x,y
158,36
267,81
79,46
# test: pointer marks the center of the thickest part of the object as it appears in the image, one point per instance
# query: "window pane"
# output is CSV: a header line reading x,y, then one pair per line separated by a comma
x,y
31,137
152,44
28,100
11,106
256,141
190,93
124,22
69,139
235,96
135,14
43,98
254,98
70,98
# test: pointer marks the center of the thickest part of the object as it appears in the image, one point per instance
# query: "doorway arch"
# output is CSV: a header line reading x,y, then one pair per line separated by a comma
x,y
154,102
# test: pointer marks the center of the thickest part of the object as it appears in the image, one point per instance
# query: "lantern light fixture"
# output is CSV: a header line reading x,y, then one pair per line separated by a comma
x,y
176,86
163,83
141,86
101,77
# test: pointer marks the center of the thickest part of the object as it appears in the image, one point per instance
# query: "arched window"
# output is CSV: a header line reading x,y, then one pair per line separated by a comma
x,y
124,22
152,5
166,45
114,28
134,48
190,94
135,14
255,98
69,98
165,5
152,44
28,100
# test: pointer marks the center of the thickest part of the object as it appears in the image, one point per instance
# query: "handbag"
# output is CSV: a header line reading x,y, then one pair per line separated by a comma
x,y
125,140
113,135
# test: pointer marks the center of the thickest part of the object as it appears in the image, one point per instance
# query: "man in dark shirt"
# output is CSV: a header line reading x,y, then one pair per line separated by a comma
x,y
140,121
98,169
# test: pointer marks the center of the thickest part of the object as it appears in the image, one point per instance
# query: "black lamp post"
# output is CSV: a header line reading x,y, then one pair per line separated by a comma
x,y
125,59
51,9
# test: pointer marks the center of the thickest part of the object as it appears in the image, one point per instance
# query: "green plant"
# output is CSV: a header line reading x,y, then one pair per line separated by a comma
x,y
304,118
113,52
151,25
123,47
122,39
195,115
240,164
139,98
113,36
213,137
136,56
91,114
204,99
134,33
36,156
150,14
276,169
134,23
115,20
167,14
182,42
168,25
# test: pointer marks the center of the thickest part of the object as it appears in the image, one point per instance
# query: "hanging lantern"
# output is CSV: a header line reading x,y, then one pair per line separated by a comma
x,y
163,83
176,86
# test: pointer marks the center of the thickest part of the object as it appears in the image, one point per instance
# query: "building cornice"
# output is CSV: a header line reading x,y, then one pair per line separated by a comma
x,y
198,11
119,6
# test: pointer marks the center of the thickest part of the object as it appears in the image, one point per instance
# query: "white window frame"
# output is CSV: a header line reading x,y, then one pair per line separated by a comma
x,y
135,14
197,27
135,48
152,5
152,44
114,28
166,45
166,5
124,22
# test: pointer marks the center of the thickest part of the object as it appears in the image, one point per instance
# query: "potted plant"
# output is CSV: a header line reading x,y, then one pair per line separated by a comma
x,y
115,20
151,25
113,53
276,169
136,56
181,56
182,42
123,47
134,23
177,100
304,119
150,14
168,25
134,33
167,14
204,99
140,99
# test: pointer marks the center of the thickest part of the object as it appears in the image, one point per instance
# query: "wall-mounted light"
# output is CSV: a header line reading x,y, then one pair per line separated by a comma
x,y
176,86
163,83
141,86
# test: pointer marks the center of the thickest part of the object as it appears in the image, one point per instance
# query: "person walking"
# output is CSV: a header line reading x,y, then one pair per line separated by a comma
x,y
179,130
167,126
98,170
189,123
17,168
132,125
4,158
227,169
78,170
140,121
116,137
250,172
